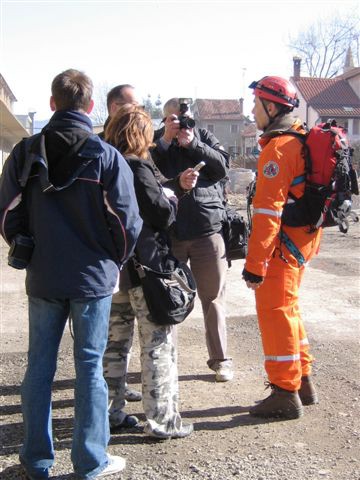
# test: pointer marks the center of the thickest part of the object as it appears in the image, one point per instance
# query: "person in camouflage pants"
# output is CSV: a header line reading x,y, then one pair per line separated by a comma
x,y
131,131
158,364
116,358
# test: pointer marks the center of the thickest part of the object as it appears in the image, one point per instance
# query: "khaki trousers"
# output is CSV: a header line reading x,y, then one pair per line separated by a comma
x,y
206,256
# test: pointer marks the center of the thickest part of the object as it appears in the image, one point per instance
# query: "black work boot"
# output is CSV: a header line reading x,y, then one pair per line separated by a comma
x,y
280,404
132,395
307,392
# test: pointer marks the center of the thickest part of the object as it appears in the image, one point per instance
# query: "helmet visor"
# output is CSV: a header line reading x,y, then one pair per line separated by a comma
x,y
294,102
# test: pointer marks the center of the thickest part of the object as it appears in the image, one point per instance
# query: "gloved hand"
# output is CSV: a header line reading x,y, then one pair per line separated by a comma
x,y
252,281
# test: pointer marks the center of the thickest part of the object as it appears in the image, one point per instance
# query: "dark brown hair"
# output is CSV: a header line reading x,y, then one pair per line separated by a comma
x,y
282,109
131,131
72,90
116,93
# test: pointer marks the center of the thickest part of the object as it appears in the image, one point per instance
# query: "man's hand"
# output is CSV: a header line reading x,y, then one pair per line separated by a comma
x,y
188,179
185,136
252,281
172,128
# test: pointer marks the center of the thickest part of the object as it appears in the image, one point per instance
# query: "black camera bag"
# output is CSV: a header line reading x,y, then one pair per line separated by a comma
x,y
236,233
170,295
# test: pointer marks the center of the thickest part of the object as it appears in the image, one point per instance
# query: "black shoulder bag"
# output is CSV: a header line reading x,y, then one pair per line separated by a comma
x,y
235,232
170,294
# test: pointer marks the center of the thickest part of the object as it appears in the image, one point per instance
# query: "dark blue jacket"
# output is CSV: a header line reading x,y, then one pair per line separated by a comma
x,y
74,194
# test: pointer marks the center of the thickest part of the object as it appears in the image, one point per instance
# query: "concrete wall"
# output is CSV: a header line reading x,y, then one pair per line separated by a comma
x,y
222,131
240,179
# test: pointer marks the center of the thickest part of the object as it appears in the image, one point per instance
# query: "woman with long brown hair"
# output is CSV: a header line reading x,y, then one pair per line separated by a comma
x,y
131,132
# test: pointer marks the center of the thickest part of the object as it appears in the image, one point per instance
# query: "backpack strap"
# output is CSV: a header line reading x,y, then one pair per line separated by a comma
x,y
297,180
293,249
302,138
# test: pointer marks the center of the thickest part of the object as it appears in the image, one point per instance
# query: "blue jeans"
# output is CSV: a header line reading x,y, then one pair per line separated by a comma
x,y
47,320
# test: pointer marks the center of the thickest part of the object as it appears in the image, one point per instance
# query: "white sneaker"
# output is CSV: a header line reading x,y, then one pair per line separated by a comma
x,y
116,464
224,373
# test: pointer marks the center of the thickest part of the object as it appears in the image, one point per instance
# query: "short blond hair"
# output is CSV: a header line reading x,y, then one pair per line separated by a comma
x,y
131,131
172,104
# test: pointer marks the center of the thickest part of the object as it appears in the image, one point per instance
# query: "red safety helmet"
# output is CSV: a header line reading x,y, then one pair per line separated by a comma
x,y
276,89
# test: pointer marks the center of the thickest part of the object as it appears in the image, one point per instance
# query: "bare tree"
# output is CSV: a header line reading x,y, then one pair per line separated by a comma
x,y
154,109
324,45
99,113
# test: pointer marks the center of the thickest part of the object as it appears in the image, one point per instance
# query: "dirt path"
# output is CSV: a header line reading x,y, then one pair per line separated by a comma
x,y
227,442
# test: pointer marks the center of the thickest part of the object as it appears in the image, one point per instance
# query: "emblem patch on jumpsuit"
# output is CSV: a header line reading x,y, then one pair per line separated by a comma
x,y
271,169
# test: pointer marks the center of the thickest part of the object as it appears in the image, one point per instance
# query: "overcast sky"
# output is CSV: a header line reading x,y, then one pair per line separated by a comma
x,y
204,49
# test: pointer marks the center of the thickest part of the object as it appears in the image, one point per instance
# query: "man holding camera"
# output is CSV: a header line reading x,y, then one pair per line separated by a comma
x,y
197,234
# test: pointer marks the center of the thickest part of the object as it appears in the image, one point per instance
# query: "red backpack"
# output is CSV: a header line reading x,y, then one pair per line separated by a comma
x,y
330,180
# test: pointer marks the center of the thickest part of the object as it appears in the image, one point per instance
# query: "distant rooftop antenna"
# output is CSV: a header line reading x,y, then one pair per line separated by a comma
x,y
243,81
32,120
349,60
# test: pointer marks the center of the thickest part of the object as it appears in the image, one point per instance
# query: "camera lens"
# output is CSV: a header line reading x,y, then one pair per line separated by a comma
x,y
186,122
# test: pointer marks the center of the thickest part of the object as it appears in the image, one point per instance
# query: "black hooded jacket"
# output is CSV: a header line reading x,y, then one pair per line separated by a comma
x,y
201,211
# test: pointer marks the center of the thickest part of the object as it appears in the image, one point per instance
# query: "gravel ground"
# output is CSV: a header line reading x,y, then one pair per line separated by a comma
x,y
227,442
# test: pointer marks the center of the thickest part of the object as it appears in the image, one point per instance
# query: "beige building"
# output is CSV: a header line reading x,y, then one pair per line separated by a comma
x,y
224,118
11,129
324,98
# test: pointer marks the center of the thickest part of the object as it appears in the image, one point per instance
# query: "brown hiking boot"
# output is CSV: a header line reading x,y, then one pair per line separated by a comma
x,y
307,392
280,404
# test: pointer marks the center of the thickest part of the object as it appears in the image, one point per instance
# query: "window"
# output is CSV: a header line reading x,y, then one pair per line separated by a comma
x,y
234,150
234,128
211,128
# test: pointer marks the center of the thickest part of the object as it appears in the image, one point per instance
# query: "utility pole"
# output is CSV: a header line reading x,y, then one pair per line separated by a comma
x,y
243,81
32,122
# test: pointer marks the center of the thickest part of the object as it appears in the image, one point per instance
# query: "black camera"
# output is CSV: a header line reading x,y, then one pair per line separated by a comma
x,y
185,120
20,252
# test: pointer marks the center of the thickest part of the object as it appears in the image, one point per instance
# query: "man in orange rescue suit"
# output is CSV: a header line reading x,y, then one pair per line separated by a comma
x,y
277,253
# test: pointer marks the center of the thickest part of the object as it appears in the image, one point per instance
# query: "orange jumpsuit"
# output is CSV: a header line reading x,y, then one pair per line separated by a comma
x,y
286,347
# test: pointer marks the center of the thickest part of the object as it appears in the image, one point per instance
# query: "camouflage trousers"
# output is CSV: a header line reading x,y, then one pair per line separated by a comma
x,y
158,357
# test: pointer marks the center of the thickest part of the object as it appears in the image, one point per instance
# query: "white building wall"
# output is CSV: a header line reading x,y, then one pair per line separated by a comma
x,y
313,117
355,84
301,111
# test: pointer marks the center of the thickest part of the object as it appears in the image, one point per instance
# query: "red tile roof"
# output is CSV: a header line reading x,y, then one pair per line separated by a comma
x,y
339,112
210,109
332,96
